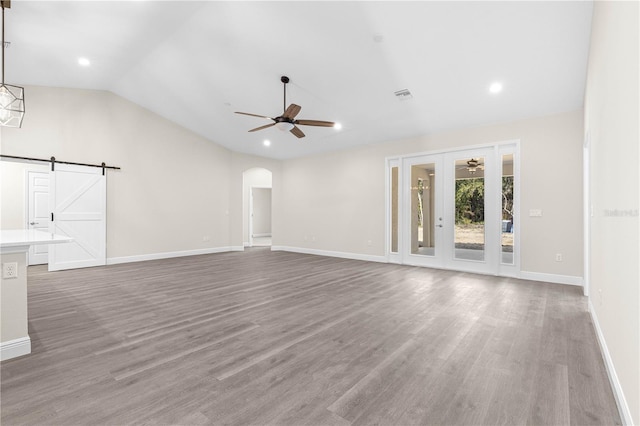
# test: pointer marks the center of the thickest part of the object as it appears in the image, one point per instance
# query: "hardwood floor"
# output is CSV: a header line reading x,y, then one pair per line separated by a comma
x,y
266,337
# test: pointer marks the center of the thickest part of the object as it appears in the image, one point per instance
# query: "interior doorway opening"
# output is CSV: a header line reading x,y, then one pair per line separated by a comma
x,y
256,207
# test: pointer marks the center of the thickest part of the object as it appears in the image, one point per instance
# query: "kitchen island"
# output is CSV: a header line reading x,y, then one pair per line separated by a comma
x,y
14,322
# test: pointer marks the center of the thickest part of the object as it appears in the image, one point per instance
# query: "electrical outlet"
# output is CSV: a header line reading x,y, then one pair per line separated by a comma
x,y
535,213
369,243
599,297
558,257
206,238
10,270
313,238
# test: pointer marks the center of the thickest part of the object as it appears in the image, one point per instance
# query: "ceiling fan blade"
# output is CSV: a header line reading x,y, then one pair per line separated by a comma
x,y
315,123
292,111
262,127
254,115
297,132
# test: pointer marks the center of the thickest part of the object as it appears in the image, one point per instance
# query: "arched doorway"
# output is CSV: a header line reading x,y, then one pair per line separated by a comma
x,y
256,207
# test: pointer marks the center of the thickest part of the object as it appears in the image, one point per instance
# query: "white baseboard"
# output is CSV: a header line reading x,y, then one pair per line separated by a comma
x,y
623,407
534,276
551,278
15,348
340,254
166,255
236,248
267,234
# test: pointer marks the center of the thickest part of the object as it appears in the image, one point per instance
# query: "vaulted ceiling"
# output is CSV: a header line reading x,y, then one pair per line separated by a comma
x,y
195,63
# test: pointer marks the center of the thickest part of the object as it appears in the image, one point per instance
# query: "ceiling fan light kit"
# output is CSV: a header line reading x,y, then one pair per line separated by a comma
x,y
473,165
11,97
285,126
287,122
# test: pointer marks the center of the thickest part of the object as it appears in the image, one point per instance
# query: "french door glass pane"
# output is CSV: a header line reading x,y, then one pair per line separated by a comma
x,y
422,209
469,233
394,209
507,209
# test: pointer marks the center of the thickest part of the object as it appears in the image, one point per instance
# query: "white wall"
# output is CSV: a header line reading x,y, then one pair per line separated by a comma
x,y
611,121
172,193
176,190
254,177
13,187
335,201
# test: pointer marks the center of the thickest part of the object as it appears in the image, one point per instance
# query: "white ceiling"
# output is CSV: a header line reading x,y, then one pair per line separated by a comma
x,y
197,62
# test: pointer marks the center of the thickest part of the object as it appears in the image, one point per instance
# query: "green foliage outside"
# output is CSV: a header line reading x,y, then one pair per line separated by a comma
x,y
507,197
470,200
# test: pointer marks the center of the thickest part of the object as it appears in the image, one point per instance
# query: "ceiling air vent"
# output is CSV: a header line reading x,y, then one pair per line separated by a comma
x,y
403,94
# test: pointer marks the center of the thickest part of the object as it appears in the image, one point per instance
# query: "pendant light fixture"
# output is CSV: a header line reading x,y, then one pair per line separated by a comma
x,y
11,97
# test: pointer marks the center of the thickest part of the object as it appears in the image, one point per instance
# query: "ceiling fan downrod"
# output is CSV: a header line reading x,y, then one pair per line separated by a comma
x,y
284,79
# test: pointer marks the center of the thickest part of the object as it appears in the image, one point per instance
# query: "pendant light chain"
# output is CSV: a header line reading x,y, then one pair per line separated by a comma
x,y
11,97
3,45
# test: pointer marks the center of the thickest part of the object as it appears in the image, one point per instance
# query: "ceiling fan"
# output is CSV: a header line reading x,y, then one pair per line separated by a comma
x,y
287,121
472,166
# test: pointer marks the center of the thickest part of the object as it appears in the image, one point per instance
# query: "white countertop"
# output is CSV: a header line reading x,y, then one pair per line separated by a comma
x,y
28,237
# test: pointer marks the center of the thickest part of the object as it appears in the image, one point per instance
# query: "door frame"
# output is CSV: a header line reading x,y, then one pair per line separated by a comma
x,y
498,150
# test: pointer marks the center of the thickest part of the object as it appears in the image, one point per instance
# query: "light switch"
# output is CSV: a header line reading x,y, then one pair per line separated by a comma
x,y
535,213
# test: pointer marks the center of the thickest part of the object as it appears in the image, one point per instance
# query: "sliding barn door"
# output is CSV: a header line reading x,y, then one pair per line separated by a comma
x,y
77,198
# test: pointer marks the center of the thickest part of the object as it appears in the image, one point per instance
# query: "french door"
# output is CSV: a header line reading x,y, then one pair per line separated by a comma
x,y
455,210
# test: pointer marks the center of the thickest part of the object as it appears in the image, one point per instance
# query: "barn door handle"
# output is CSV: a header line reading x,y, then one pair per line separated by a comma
x,y
33,223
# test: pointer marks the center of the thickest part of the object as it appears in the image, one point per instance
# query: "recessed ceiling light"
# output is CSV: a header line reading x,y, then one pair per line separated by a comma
x,y
266,142
495,87
337,126
84,62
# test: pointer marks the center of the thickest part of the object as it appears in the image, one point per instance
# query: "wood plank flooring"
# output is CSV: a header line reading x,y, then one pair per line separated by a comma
x,y
276,338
